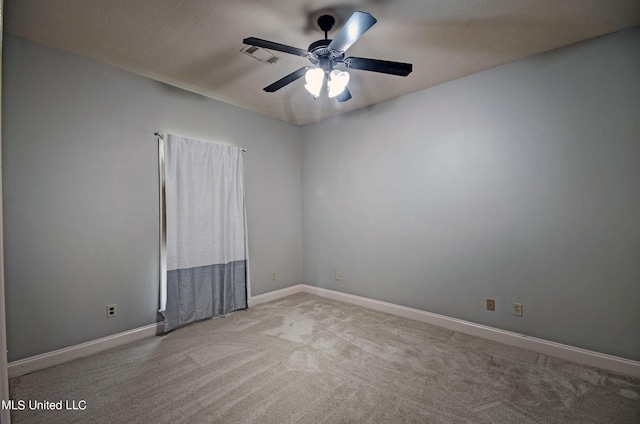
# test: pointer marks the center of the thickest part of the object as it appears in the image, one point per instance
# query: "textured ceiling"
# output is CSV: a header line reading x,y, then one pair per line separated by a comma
x,y
195,44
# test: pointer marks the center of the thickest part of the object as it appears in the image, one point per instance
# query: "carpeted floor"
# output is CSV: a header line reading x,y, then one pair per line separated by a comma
x,y
305,359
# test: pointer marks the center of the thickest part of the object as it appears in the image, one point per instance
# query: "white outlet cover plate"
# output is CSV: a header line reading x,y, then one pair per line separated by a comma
x,y
517,309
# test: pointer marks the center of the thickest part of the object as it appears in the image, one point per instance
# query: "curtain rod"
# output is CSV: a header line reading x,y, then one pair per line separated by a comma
x,y
161,137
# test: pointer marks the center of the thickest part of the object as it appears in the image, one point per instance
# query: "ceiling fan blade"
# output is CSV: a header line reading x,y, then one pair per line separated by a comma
x,y
344,96
252,41
375,65
286,80
357,25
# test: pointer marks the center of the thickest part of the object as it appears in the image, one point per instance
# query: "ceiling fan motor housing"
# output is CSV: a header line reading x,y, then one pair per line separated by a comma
x,y
322,55
317,46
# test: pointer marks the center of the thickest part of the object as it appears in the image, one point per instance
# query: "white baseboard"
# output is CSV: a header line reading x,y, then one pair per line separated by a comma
x,y
57,357
558,350
276,294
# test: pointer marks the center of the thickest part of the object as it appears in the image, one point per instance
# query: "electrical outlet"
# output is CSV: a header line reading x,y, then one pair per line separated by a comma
x,y
517,309
337,276
273,275
111,311
491,305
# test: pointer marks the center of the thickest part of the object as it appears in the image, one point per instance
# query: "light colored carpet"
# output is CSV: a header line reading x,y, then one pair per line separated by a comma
x,y
305,359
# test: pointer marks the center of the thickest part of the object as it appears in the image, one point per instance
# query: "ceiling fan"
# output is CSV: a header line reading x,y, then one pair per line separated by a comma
x,y
325,54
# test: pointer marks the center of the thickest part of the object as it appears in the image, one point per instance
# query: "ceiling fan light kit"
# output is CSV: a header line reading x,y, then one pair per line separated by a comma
x,y
325,54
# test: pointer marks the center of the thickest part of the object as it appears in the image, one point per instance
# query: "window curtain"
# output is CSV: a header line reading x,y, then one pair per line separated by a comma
x,y
207,274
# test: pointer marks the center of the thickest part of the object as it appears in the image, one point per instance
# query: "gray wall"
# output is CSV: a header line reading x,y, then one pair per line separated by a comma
x,y
81,193
521,183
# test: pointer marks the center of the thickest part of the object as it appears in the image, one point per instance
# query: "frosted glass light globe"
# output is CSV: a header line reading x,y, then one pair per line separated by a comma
x,y
338,81
314,78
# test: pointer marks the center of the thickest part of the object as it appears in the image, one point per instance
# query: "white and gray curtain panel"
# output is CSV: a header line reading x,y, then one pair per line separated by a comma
x,y
207,273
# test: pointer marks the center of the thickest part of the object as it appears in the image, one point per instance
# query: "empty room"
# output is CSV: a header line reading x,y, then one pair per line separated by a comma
x,y
307,211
